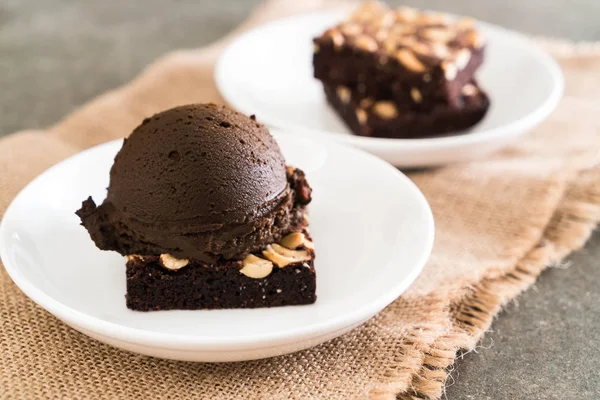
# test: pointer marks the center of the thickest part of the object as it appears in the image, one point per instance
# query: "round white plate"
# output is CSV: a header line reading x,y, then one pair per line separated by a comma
x,y
268,72
373,231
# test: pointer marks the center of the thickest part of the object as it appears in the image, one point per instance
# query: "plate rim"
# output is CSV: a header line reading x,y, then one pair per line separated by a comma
x,y
164,340
505,132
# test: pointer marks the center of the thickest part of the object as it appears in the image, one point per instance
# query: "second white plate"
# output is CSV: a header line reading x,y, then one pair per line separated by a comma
x,y
268,72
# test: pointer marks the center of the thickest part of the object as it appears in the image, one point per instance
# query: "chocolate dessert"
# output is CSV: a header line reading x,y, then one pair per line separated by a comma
x,y
201,203
402,73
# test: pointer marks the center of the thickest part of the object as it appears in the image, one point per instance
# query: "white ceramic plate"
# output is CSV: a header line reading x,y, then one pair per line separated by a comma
x,y
373,231
268,72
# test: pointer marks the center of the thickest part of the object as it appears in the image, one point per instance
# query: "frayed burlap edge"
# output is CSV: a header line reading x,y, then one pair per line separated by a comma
x,y
569,229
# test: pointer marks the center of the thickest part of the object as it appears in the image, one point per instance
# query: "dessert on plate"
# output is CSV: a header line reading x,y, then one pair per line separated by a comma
x,y
402,73
207,213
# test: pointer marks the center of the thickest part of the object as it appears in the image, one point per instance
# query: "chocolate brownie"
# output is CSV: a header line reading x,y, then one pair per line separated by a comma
x,y
208,214
281,275
382,119
416,59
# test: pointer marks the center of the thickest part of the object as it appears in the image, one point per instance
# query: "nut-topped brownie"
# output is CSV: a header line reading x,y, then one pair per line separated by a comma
x,y
382,119
207,213
416,60
388,54
281,275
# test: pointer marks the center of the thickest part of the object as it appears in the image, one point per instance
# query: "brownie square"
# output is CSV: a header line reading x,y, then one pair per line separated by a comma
x,y
156,283
410,57
383,119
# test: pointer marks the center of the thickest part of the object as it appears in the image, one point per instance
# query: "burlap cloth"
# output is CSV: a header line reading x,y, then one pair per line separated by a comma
x,y
500,222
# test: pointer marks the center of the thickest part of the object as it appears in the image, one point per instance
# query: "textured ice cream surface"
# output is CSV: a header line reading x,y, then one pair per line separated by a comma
x,y
197,181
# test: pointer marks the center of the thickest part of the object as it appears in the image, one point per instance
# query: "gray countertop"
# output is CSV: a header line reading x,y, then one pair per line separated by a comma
x,y
57,54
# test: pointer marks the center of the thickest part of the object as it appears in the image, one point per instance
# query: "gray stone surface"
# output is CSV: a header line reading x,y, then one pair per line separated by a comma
x,y
546,344
57,54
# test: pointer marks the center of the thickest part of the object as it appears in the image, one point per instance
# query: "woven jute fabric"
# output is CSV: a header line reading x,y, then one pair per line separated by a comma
x,y
499,222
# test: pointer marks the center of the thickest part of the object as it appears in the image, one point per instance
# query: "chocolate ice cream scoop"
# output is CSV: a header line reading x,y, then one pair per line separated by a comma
x,y
198,181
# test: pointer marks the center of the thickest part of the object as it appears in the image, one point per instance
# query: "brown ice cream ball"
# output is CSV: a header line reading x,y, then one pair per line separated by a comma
x,y
197,164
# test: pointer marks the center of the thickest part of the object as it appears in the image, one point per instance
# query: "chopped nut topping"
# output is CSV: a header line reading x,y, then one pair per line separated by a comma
x,y
475,39
406,14
172,263
450,71
361,116
416,95
293,240
386,20
381,35
399,30
368,11
374,27
413,45
440,50
433,19
439,35
256,267
385,109
343,94
308,244
462,58
337,38
351,29
281,256
469,90
366,43
408,59
390,45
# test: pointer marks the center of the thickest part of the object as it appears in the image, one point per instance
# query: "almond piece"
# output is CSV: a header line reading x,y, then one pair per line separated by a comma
x,y
385,109
308,244
256,267
440,50
474,39
406,14
172,263
293,240
366,43
462,58
433,19
469,90
361,116
343,94
439,35
386,20
450,71
351,29
281,256
337,38
409,60
416,95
